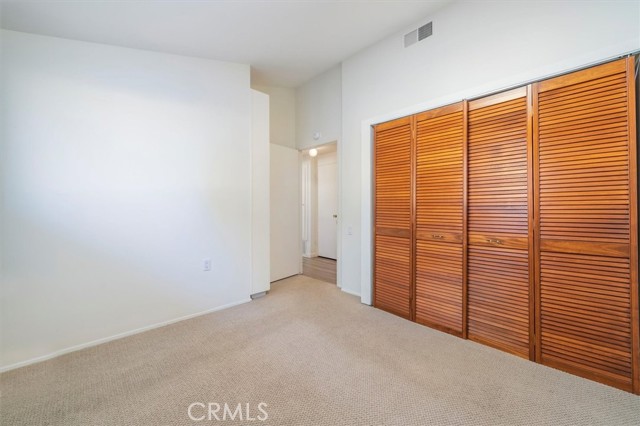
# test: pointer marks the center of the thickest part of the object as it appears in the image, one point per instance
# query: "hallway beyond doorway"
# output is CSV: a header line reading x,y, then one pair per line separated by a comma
x,y
320,268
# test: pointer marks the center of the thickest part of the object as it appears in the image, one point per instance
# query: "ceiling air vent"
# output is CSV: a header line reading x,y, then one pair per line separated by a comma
x,y
418,35
425,31
411,38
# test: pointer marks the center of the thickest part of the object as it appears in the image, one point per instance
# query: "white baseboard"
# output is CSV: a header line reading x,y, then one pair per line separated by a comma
x,y
353,293
115,337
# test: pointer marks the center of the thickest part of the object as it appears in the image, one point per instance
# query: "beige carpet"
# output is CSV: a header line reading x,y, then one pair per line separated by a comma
x,y
315,356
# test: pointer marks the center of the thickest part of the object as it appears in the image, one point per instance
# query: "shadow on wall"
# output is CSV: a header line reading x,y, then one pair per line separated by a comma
x,y
82,267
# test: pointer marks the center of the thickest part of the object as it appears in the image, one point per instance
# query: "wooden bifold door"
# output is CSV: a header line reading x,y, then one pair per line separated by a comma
x,y
586,212
394,217
439,218
511,220
500,269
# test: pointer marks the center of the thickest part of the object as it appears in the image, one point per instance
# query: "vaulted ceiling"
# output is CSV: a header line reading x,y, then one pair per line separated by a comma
x,y
286,42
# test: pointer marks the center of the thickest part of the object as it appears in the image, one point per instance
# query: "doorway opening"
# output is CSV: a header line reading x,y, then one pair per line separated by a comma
x,y
320,212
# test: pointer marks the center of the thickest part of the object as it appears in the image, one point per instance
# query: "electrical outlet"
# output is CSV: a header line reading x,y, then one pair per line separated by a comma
x,y
350,230
206,265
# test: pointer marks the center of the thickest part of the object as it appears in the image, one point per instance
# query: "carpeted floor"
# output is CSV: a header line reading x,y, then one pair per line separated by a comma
x,y
315,356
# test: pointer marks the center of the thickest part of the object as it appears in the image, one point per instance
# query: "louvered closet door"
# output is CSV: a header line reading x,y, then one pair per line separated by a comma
x,y
499,285
439,218
393,264
588,297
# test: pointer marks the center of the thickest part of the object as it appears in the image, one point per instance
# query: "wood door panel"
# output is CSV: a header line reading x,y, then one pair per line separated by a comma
x,y
393,174
498,239
442,236
596,336
588,78
498,266
393,232
393,177
487,158
439,172
559,157
440,135
587,279
439,285
585,247
393,275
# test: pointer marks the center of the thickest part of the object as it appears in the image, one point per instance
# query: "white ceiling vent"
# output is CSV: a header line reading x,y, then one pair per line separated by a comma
x,y
411,38
418,35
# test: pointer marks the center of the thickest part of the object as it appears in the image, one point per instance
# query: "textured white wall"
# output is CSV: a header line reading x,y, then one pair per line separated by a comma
x,y
122,170
476,47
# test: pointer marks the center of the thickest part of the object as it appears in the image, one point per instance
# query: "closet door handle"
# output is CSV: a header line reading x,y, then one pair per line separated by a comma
x,y
437,236
494,241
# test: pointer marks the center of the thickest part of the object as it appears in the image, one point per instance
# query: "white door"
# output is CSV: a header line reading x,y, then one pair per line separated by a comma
x,y
328,205
286,258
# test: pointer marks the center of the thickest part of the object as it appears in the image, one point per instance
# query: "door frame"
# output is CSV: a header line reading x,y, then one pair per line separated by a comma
x,y
305,222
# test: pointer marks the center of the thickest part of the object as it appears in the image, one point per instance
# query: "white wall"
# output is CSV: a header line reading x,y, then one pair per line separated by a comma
x,y
122,171
319,109
260,218
282,116
476,47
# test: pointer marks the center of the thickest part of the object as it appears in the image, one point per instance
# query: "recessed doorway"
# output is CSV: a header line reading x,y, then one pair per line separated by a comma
x,y
320,211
